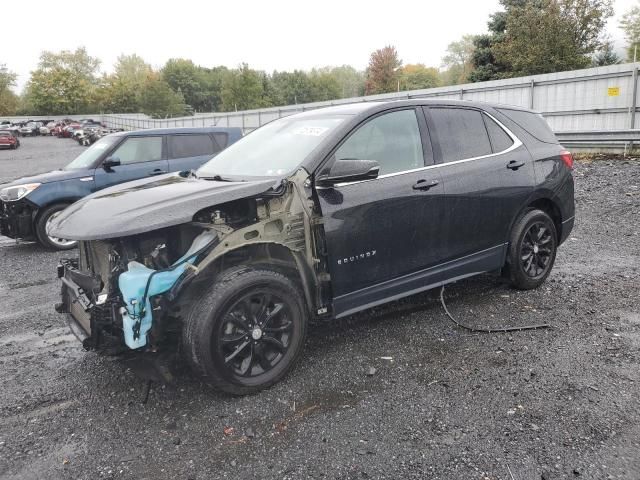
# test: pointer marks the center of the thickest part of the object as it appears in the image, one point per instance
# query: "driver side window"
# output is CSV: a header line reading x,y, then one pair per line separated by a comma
x,y
139,149
391,139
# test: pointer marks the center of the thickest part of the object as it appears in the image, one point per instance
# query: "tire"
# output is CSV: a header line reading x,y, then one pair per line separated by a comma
x,y
226,324
41,233
532,250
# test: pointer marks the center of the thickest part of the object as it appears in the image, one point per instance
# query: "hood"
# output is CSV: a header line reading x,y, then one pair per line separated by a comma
x,y
148,204
54,176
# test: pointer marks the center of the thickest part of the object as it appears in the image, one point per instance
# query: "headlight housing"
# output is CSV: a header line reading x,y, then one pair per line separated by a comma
x,y
16,192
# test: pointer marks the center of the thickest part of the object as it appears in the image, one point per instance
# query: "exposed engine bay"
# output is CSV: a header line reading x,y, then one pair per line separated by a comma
x,y
131,293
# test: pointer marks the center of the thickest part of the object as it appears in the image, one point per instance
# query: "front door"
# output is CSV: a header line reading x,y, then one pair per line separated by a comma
x,y
379,230
139,157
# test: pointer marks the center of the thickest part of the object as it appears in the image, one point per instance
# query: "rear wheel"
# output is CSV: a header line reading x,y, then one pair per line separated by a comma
x,y
247,330
532,250
43,220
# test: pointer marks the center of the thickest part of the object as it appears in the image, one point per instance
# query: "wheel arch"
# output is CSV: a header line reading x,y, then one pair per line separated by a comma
x,y
545,203
271,255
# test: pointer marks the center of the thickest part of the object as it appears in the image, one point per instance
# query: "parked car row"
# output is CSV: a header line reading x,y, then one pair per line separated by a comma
x,y
314,216
29,204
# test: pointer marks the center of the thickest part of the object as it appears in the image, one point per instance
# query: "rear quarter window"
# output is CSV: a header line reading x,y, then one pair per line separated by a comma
x,y
500,141
222,139
533,123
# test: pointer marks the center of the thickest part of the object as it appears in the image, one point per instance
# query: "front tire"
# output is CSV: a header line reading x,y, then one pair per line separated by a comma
x,y
44,218
247,330
532,250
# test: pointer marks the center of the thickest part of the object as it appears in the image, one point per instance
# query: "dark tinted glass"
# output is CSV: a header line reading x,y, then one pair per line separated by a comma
x,y
532,123
500,141
461,133
221,139
183,146
392,139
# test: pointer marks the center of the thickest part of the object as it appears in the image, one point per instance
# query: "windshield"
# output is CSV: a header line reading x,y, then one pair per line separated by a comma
x,y
272,150
87,158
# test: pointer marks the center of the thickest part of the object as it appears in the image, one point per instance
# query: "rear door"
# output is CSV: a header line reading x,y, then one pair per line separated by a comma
x,y
190,151
379,230
140,157
488,176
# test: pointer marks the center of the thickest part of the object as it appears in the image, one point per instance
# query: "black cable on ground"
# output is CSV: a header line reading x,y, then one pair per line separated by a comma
x,y
487,330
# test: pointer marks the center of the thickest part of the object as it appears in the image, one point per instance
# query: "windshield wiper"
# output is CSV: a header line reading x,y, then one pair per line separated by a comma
x,y
217,178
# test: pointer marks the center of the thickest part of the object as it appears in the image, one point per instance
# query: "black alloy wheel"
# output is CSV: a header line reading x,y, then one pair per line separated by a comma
x,y
532,249
255,334
246,330
536,250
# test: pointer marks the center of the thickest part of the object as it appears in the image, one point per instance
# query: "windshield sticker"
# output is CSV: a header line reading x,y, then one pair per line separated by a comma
x,y
312,131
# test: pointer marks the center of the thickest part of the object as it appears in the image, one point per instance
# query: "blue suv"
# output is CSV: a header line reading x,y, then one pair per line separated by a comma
x,y
29,204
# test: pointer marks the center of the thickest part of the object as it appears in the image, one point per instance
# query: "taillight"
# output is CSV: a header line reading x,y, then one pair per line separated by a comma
x,y
567,158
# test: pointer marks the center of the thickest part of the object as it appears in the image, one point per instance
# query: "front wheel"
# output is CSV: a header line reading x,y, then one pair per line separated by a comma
x,y
532,250
43,220
247,330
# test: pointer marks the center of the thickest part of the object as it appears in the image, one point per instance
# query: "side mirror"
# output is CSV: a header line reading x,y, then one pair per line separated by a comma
x,y
349,170
110,162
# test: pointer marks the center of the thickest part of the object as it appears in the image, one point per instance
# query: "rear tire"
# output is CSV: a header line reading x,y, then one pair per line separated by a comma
x,y
246,331
532,250
45,240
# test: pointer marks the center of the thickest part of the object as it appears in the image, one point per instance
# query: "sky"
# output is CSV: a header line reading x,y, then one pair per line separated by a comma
x,y
267,34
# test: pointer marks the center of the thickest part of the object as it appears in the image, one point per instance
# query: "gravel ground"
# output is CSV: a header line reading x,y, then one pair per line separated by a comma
x,y
36,155
441,403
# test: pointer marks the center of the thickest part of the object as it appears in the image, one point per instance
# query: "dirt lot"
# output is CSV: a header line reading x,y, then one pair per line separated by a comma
x,y
546,404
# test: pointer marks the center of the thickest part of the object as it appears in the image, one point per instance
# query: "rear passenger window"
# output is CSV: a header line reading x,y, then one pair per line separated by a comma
x,y
393,140
500,141
183,146
461,133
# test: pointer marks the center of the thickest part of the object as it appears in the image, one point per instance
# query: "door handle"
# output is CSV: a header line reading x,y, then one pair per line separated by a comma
x,y
515,164
157,171
425,185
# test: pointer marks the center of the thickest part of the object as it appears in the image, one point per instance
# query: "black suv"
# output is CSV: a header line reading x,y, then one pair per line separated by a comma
x,y
313,216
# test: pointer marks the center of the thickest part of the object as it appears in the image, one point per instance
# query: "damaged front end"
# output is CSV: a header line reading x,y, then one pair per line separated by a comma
x,y
132,293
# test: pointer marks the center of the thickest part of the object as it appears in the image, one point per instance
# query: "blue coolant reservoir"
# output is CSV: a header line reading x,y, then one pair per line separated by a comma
x,y
133,283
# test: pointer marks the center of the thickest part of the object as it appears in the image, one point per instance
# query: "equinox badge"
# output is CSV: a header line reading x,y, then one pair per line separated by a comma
x,y
355,258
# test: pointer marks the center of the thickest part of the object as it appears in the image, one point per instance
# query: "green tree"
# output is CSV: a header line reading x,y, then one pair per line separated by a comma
x,y
382,73
243,89
417,76
606,56
184,76
8,99
485,64
158,100
458,61
291,88
540,36
630,25
324,86
350,81
63,83
120,92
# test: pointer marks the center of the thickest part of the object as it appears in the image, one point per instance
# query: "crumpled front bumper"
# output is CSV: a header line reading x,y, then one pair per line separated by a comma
x,y
16,219
95,325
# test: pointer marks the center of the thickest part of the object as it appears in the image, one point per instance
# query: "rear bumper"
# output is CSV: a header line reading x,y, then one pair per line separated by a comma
x,y
16,219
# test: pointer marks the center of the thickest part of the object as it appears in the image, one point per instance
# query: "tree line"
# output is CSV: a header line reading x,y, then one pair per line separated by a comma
x,y
526,37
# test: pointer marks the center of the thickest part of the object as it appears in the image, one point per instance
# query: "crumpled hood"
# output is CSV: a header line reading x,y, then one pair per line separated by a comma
x,y
53,176
148,204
